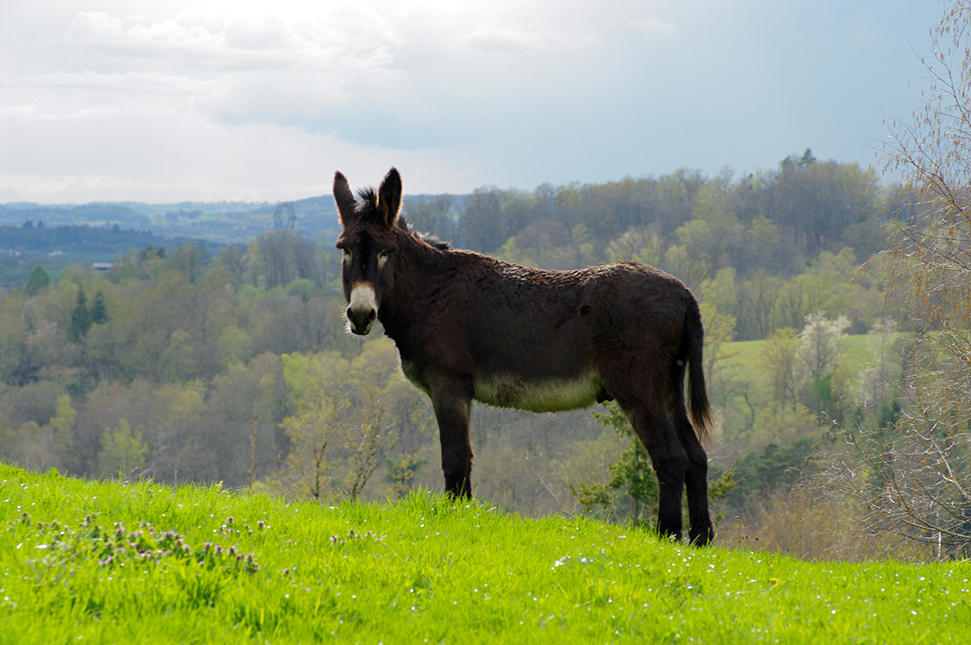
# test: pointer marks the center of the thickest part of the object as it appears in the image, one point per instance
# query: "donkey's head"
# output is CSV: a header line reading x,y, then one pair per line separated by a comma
x,y
368,241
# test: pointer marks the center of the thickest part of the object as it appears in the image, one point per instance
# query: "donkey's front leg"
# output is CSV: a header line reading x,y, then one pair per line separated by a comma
x,y
453,403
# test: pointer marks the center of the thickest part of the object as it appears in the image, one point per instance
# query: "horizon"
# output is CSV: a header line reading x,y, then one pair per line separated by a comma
x,y
328,194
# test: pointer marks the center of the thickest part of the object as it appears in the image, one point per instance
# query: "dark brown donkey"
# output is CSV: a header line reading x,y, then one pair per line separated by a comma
x,y
468,326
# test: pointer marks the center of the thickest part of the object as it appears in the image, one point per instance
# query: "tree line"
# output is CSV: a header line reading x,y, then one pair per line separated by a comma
x,y
776,220
31,236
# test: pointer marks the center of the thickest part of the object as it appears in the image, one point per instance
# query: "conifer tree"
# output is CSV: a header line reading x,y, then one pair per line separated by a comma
x,y
80,318
38,281
99,311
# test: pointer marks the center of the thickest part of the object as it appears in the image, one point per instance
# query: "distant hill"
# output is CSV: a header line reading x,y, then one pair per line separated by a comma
x,y
76,239
29,244
220,222
57,235
52,215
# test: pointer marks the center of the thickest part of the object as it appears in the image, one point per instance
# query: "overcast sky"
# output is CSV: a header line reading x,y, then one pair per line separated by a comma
x,y
170,100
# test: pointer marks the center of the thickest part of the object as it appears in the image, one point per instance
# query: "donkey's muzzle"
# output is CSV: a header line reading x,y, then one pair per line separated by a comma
x,y
361,320
362,310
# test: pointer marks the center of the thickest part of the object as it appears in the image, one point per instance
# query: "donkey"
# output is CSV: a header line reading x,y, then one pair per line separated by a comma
x,y
470,327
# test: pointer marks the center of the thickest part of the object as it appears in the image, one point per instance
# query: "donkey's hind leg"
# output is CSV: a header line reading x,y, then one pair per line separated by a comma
x,y
670,462
701,531
452,407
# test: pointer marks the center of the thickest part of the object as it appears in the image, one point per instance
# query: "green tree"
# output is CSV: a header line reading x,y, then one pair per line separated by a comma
x,y
38,281
235,345
916,478
763,246
722,292
482,221
876,378
401,472
777,360
99,310
342,430
122,450
771,471
707,242
13,339
630,492
821,342
190,260
178,361
757,298
235,261
639,244
719,329
63,422
80,318
433,214
632,483
816,201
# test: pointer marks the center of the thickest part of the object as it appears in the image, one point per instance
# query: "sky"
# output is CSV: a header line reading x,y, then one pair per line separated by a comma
x,y
173,100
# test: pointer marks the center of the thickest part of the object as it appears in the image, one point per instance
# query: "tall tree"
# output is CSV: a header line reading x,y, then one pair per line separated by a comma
x,y
80,318
99,310
482,221
38,281
915,474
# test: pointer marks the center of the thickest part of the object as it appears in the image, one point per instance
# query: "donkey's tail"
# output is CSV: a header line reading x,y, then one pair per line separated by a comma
x,y
692,345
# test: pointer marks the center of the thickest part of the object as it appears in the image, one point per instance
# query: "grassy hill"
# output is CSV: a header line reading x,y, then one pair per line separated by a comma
x,y
140,562
746,352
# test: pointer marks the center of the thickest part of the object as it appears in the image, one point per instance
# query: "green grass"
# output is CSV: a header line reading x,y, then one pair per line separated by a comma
x,y
746,352
420,570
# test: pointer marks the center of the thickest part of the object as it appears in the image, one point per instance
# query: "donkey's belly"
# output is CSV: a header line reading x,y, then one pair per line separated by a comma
x,y
510,391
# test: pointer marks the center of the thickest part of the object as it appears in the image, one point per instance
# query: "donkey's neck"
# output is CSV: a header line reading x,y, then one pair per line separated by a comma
x,y
420,272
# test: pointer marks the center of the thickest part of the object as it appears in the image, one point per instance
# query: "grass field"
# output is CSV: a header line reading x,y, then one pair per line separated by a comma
x,y
746,352
143,563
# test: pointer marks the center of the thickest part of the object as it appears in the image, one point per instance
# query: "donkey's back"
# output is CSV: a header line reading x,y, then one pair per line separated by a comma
x,y
557,340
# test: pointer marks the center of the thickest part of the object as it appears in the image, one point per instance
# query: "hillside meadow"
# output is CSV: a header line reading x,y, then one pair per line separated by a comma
x,y
745,353
140,562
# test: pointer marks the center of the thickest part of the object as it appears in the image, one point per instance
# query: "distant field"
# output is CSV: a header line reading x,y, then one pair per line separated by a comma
x,y
16,270
141,562
746,353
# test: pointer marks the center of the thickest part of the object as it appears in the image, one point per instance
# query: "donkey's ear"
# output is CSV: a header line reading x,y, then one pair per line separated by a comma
x,y
389,197
346,204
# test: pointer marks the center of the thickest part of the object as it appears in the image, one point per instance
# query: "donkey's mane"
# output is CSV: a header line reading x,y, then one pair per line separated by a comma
x,y
428,238
368,207
368,201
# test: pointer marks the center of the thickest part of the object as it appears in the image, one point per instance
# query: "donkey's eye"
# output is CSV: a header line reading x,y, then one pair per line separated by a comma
x,y
383,257
347,254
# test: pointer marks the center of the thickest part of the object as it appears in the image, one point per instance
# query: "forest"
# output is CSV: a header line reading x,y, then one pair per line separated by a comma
x,y
185,364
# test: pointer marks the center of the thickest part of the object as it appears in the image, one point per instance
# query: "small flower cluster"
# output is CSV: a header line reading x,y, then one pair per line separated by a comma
x,y
352,536
118,546
213,555
229,527
144,545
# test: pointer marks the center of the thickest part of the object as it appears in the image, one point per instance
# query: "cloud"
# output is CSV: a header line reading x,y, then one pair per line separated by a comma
x,y
184,42
503,39
164,154
119,96
653,25
397,72
127,82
